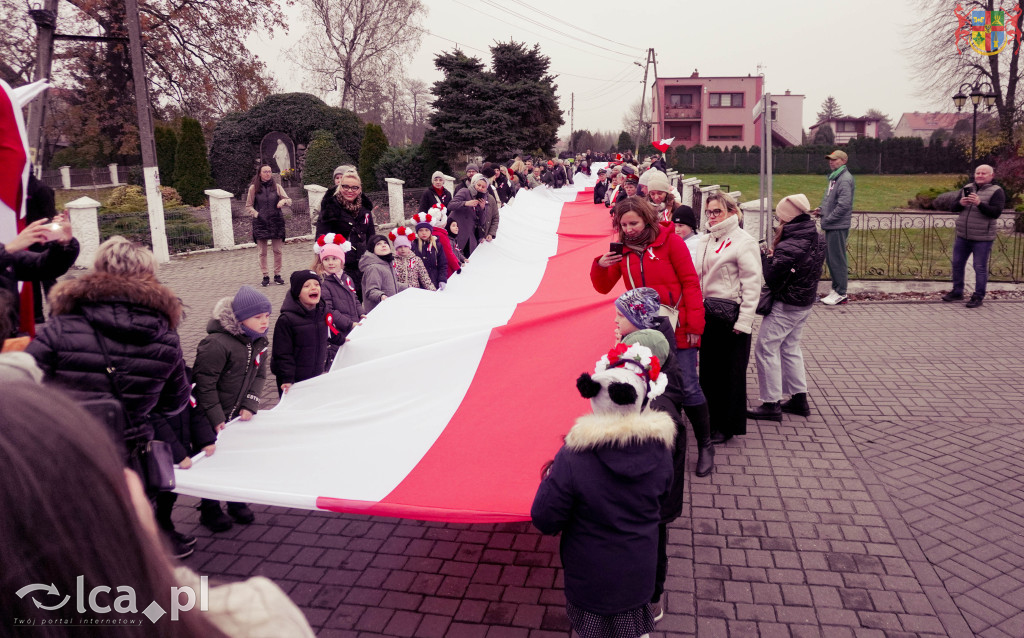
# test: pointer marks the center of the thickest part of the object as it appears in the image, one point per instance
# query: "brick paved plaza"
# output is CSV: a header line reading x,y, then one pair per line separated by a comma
x,y
895,510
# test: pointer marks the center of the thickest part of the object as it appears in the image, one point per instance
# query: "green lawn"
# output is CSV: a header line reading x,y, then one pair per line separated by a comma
x,y
874,192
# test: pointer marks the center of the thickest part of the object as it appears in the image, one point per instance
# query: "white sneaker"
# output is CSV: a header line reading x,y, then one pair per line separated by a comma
x,y
834,299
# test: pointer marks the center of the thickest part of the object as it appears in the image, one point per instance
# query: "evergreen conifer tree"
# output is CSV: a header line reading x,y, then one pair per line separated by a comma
x,y
375,144
191,166
166,148
322,157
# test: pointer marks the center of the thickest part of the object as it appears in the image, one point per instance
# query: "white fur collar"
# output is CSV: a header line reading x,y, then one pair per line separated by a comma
x,y
595,430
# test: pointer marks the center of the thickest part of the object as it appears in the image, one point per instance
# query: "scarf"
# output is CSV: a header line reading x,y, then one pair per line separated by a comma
x,y
390,257
642,240
439,191
252,334
836,173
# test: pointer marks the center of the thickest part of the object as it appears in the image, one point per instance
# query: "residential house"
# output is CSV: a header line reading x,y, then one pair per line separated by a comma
x,y
847,128
922,125
718,111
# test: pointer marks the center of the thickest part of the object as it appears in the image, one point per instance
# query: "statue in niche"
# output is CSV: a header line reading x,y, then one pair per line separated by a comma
x,y
281,156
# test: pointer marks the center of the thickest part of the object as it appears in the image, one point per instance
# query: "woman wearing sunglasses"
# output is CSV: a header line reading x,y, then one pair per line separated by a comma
x,y
729,266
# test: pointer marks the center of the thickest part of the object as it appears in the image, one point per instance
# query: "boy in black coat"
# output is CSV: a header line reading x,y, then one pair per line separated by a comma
x,y
300,334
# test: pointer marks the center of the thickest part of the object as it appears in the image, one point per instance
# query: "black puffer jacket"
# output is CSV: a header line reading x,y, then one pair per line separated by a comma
x,y
430,198
798,288
137,319
357,228
230,368
300,341
600,189
25,265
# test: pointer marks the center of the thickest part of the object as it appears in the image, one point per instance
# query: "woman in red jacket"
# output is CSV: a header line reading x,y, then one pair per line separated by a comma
x,y
654,256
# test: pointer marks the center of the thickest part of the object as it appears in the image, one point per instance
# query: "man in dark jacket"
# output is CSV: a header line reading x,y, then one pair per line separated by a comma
x,y
791,270
836,211
980,206
601,187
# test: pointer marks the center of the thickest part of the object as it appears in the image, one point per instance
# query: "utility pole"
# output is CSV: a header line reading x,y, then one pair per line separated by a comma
x,y
46,23
572,119
153,197
643,96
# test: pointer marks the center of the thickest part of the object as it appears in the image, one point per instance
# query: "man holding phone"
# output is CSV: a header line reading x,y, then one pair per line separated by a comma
x,y
980,205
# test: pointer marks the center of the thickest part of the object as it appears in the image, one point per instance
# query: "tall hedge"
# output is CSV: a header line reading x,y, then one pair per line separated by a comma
x,y
166,147
375,144
237,136
191,167
322,156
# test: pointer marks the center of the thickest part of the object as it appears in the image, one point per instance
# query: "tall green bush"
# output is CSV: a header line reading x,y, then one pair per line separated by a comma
x,y
375,144
404,164
191,167
166,148
322,156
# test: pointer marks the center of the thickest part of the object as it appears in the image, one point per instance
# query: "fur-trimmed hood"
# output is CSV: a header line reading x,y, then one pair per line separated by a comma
x,y
623,443
224,319
616,430
97,288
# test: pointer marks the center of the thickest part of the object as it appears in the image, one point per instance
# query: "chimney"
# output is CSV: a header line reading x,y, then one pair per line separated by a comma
x,y
787,91
694,74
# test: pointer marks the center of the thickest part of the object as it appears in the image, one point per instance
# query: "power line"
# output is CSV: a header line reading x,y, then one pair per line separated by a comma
x,y
611,81
494,4
548,15
493,17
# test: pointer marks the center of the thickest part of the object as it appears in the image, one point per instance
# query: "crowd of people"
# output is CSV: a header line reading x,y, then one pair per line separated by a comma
x,y
682,342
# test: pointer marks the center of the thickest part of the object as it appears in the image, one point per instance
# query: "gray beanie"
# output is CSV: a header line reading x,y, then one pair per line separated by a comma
x,y
249,302
344,168
436,175
640,306
472,167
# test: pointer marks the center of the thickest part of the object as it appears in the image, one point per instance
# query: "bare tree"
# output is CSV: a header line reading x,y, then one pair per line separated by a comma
x,y
350,43
636,123
419,93
945,60
17,43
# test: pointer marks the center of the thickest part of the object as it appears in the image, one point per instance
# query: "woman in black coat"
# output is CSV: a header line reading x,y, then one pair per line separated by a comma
x,y
347,211
791,269
437,194
264,202
119,308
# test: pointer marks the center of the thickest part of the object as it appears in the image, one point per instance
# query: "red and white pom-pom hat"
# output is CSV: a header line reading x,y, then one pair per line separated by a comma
x,y
422,220
402,236
440,215
331,239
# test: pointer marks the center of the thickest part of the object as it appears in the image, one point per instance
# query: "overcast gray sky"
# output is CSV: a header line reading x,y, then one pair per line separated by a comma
x,y
853,50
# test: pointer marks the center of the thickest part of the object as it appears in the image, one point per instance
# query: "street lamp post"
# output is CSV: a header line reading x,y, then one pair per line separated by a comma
x,y
979,91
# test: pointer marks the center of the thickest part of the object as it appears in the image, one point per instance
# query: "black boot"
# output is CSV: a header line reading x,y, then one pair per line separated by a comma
x,y
975,301
766,412
700,420
213,517
797,405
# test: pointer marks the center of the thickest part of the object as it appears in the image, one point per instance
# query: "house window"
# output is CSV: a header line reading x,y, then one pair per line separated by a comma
x,y
846,127
680,100
725,132
725,100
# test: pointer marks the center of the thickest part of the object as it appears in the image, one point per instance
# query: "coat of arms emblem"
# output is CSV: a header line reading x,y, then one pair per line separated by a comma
x,y
987,32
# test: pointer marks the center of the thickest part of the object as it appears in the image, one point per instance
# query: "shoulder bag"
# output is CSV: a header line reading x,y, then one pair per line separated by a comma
x,y
724,310
672,312
767,301
152,460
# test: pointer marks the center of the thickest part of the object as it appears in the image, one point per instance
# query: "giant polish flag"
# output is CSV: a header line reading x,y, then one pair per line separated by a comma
x,y
443,406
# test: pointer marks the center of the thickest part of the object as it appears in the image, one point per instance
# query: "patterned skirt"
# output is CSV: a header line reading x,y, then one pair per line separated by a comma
x,y
628,624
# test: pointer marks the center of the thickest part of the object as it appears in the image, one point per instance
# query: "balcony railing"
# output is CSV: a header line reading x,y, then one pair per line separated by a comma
x,y
677,113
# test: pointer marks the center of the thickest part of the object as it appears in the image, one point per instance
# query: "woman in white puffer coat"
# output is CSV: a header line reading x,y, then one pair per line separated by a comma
x,y
729,265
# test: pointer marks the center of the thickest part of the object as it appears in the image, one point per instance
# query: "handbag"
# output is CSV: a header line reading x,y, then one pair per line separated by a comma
x,y
152,460
672,312
767,301
724,310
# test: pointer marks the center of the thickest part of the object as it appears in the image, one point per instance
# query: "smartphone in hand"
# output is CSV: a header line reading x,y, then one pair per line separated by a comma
x,y
615,247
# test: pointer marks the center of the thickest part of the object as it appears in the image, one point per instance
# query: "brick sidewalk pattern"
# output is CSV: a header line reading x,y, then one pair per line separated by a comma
x,y
895,510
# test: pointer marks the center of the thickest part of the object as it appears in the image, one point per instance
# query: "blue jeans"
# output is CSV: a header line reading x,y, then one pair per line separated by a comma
x,y
686,359
964,248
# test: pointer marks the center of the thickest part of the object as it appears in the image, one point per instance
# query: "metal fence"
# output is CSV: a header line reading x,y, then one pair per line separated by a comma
x,y
186,229
811,163
919,246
